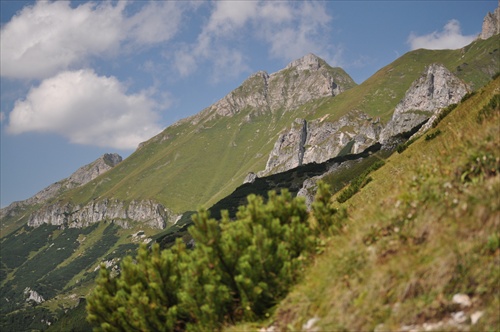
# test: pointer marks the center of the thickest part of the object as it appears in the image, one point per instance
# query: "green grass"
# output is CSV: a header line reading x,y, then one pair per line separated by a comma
x,y
417,234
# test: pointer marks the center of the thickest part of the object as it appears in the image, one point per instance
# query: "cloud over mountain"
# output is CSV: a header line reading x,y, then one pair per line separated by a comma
x,y
87,109
288,29
449,38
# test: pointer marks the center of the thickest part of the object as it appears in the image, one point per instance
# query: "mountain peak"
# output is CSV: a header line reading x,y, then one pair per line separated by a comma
x,y
491,24
307,62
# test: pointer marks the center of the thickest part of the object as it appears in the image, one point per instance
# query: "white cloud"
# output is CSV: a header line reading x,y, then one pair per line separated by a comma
x,y
290,29
450,38
302,30
228,16
87,109
51,36
157,22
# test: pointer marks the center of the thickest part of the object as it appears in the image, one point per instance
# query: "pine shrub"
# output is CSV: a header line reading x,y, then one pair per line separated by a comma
x,y
238,270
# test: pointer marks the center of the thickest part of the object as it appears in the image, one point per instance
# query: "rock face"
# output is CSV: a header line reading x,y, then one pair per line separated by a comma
x,y
434,90
288,151
250,178
301,81
32,295
80,177
75,216
67,214
491,24
320,140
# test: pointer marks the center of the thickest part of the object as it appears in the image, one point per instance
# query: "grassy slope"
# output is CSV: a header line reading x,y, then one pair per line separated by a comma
x,y
380,93
417,234
200,164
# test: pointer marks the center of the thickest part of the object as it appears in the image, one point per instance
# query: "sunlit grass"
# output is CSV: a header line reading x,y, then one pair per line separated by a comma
x,y
419,233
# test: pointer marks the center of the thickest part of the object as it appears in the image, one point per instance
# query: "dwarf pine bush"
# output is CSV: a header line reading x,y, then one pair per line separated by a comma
x,y
238,269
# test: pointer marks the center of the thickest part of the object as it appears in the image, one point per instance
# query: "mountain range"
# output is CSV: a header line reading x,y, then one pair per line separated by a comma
x,y
283,130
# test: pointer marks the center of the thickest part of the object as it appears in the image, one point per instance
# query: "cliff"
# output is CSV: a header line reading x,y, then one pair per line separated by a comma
x,y
436,88
319,140
147,212
80,177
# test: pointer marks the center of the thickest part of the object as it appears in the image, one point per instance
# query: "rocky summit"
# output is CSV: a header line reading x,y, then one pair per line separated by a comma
x,y
491,24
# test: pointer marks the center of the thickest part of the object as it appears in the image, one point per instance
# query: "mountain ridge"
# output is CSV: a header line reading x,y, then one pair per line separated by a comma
x,y
201,159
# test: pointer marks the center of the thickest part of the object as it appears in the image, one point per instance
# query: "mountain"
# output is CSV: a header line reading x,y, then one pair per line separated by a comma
x,y
81,176
280,130
420,247
240,134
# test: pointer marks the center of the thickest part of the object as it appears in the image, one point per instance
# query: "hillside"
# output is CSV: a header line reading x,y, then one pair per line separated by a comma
x,y
229,147
411,246
236,135
52,249
419,237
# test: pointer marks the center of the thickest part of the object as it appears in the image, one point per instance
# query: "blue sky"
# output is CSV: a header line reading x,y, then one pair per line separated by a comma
x,y
80,79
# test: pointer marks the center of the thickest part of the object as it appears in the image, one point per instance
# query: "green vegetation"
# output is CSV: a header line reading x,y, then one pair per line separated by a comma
x,y
244,267
359,182
433,135
488,110
417,234
403,146
447,110
56,263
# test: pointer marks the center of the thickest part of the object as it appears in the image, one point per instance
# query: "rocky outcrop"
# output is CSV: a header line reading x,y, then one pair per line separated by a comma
x,y
80,177
147,212
436,88
288,151
301,81
491,24
250,178
320,140
32,295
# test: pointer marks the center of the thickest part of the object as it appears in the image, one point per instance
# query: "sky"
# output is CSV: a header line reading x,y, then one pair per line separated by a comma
x,y
82,78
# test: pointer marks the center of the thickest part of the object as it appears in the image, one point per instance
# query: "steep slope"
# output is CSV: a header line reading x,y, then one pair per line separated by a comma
x,y
420,249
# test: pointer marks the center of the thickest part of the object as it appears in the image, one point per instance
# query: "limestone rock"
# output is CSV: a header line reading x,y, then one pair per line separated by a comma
x,y
250,178
462,299
319,140
80,177
301,81
436,88
75,216
491,24
32,295
288,151
474,318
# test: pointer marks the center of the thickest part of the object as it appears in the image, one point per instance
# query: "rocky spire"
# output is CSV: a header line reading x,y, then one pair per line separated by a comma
x,y
491,24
